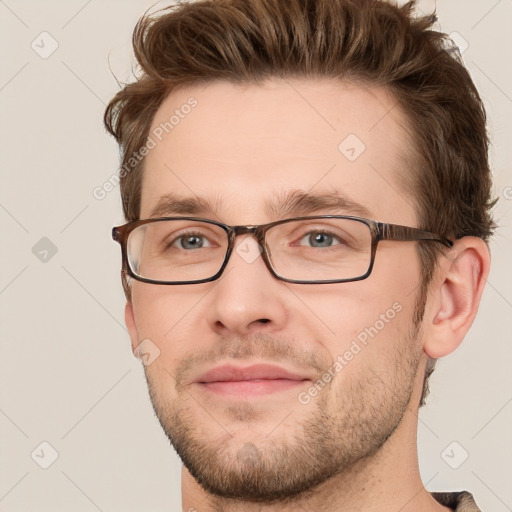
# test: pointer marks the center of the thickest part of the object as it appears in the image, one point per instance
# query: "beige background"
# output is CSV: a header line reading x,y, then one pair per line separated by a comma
x,y
67,374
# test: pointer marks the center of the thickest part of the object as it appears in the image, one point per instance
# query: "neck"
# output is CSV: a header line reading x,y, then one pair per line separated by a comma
x,y
388,480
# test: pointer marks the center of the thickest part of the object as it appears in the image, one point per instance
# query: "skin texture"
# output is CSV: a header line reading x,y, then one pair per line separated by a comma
x,y
353,445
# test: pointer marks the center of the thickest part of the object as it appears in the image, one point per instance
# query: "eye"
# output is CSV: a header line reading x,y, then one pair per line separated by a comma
x,y
191,241
320,239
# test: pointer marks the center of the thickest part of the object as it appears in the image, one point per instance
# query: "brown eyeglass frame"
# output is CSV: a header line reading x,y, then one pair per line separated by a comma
x,y
379,231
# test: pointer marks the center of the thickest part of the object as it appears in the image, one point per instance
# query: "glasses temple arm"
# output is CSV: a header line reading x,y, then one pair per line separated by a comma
x,y
396,232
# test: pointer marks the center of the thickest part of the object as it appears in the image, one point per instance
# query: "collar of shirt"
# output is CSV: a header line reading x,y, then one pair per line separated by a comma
x,y
461,501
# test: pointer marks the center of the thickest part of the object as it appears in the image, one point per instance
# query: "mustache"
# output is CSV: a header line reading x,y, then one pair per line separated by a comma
x,y
270,348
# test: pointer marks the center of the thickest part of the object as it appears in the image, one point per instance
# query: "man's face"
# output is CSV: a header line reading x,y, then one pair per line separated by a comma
x,y
240,149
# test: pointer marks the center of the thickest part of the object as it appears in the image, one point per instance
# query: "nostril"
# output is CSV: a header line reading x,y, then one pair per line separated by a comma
x,y
264,320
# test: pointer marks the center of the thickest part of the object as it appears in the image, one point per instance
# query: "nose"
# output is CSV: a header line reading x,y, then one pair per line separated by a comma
x,y
247,298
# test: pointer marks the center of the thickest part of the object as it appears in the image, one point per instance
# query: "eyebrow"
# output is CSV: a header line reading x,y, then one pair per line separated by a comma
x,y
298,203
293,203
172,204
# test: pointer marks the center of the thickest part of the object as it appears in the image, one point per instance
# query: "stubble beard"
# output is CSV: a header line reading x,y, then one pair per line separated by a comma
x,y
271,468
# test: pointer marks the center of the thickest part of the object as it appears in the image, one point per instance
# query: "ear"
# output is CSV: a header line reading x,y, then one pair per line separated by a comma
x,y
129,320
455,295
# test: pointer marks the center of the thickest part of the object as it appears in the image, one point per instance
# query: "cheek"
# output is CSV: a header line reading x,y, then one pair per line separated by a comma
x,y
397,269
374,315
374,357
169,318
347,309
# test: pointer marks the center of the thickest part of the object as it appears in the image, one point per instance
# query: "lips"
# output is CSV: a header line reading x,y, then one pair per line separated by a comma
x,y
229,373
243,382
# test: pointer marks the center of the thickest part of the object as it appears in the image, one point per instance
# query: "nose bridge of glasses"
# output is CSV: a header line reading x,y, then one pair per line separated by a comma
x,y
244,230
253,230
249,253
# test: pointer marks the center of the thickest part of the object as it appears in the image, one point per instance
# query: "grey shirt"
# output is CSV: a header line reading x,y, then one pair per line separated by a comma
x,y
461,501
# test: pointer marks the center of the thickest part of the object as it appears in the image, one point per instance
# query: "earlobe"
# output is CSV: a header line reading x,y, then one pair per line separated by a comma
x,y
457,295
129,319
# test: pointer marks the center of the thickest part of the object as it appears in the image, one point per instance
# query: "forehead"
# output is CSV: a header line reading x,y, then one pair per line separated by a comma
x,y
243,146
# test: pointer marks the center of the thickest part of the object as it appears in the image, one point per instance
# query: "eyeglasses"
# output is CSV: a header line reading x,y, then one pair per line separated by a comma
x,y
305,250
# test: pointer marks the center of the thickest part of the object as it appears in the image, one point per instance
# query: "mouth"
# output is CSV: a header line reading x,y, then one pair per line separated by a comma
x,y
251,381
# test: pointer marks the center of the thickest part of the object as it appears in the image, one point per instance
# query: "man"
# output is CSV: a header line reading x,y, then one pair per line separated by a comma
x,y
286,362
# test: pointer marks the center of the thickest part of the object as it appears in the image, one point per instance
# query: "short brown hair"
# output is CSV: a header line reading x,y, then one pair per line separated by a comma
x,y
372,42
